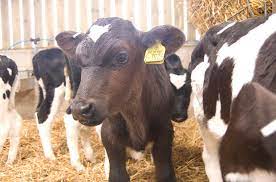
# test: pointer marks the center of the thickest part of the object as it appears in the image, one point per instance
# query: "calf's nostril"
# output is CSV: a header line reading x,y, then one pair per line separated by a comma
x,y
86,108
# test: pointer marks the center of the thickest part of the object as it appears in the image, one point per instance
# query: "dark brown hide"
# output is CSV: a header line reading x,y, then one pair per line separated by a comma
x,y
133,98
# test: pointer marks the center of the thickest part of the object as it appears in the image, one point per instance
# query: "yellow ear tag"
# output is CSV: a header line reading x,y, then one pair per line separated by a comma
x,y
155,54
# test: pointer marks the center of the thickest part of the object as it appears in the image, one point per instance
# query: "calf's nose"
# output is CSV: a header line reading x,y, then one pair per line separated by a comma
x,y
179,117
82,110
85,109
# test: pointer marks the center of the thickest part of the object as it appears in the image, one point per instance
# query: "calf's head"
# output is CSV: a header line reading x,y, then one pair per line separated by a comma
x,y
180,80
113,71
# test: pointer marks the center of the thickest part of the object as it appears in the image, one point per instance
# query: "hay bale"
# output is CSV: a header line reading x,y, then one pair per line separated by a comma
x,y
207,13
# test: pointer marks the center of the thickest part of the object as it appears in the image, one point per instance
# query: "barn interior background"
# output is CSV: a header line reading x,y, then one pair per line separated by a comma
x,y
22,20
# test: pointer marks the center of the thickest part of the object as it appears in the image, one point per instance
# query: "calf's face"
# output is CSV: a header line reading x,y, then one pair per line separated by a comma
x,y
113,71
180,81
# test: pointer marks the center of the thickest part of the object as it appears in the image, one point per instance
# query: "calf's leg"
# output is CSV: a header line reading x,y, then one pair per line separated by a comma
x,y
106,160
86,145
72,137
113,137
162,152
14,134
210,155
45,116
4,131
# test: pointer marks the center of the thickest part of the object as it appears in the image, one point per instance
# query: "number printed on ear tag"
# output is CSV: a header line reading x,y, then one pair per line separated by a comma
x,y
155,54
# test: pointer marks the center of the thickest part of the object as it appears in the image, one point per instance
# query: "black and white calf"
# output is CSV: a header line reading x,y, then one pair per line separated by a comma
x,y
229,56
247,150
57,78
10,120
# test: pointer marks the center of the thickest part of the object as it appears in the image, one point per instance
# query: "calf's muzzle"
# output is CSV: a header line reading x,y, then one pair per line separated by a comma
x,y
85,113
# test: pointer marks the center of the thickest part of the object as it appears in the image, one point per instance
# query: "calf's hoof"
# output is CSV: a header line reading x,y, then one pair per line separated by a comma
x,y
91,158
78,166
9,162
51,157
136,155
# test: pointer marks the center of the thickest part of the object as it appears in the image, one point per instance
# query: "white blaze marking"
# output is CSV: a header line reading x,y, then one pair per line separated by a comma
x,y
177,80
245,52
226,27
10,71
97,31
269,129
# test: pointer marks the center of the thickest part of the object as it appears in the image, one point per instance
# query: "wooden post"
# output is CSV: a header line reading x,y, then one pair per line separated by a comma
x,y
16,22
95,10
5,24
274,6
154,13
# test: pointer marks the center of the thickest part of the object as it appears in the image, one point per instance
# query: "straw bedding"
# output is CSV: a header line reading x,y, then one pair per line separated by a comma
x,y
31,164
207,13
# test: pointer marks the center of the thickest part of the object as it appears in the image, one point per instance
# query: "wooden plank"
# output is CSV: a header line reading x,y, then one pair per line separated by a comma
x,y
27,23
113,11
1,42
16,22
179,14
274,6
72,15
107,8
5,24
191,32
84,25
95,10
60,15
143,15
119,8
167,12
155,13
89,12
38,20
49,20
129,10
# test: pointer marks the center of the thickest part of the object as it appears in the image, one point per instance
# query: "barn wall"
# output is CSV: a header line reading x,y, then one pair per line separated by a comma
x,y
21,20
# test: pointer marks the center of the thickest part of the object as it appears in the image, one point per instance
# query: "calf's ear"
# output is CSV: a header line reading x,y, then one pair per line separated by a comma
x,y
172,62
68,41
170,37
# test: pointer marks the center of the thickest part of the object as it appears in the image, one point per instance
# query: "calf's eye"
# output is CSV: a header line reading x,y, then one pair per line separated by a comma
x,y
121,58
